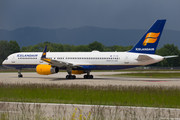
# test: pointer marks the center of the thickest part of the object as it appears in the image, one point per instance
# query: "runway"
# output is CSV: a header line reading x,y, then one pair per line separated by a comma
x,y
99,79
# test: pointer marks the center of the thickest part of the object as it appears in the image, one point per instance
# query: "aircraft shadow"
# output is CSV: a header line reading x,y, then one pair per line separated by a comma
x,y
82,79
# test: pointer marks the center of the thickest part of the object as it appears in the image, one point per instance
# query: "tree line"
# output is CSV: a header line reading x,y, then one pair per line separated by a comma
x,y
7,48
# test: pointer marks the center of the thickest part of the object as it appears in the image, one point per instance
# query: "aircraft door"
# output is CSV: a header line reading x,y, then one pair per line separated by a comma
x,y
126,61
13,59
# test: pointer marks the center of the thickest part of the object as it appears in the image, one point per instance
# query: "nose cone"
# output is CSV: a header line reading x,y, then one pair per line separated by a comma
x,y
3,63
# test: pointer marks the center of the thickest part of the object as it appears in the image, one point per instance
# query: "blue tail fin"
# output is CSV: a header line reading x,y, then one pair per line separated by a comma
x,y
148,43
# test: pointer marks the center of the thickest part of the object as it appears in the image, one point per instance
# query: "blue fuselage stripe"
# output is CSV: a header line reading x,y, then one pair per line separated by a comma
x,y
84,67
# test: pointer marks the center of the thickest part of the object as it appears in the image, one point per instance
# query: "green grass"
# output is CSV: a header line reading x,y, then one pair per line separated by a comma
x,y
154,96
149,75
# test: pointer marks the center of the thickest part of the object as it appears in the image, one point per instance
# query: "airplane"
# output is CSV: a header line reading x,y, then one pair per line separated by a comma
x,y
46,63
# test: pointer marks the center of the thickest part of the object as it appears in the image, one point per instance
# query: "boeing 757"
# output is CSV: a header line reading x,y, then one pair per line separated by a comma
x,y
46,63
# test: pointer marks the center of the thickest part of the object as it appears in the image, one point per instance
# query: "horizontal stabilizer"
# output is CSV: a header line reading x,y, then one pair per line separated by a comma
x,y
143,58
170,56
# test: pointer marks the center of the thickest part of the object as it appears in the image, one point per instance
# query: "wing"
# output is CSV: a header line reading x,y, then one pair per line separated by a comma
x,y
55,62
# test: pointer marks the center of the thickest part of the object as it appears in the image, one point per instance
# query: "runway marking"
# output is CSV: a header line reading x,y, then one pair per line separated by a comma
x,y
155,81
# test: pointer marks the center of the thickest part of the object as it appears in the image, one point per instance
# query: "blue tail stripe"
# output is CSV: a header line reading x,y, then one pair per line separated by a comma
x,y
148,43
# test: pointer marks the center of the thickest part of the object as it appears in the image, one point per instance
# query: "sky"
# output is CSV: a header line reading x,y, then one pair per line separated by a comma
x,y
120,14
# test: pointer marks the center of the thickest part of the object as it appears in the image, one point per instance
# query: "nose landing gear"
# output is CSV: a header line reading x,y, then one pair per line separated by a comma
x,y
19,73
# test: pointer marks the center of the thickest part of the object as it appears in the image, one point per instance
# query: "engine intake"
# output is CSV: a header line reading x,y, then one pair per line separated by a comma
x,y
44,69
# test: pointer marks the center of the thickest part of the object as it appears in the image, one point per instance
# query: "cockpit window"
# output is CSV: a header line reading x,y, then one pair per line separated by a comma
x,y
6,58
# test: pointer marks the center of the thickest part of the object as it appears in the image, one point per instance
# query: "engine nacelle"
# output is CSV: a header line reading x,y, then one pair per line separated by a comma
x,y
44,69
78,72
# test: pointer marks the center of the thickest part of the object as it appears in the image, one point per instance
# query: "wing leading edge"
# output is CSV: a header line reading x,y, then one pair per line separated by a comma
x,y
55,62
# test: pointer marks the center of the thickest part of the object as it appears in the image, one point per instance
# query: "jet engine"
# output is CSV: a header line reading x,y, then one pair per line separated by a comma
x,y
44,69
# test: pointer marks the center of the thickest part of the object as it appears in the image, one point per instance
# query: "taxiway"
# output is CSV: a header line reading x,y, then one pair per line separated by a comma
x,y
100,78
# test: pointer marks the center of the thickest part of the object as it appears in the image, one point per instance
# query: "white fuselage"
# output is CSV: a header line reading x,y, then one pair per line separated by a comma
x,y
94,60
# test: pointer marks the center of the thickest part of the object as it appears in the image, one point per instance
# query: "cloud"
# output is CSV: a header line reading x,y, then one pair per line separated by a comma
x,y
121,14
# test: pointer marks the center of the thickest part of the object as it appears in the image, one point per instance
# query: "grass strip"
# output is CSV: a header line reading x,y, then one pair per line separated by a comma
x,y
149,75
151,96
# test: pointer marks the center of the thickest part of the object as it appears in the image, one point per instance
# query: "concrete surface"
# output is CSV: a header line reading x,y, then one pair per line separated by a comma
x,y
99,79
18,110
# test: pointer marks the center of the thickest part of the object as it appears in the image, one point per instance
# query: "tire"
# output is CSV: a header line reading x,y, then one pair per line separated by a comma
x,y
91,76
72,77
85,76
67,76
88,76
20,76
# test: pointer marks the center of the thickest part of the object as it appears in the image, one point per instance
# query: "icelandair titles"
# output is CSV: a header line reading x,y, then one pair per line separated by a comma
x,y
144,49
27,55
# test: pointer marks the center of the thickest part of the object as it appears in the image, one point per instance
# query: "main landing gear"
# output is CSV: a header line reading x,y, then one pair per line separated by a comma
x,y
19,73
74,77
70,76
88,76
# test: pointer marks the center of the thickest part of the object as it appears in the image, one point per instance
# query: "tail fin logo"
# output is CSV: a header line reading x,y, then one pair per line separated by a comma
x,y
150,38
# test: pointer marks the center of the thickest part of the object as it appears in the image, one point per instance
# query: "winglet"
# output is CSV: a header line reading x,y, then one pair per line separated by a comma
x,y
44,52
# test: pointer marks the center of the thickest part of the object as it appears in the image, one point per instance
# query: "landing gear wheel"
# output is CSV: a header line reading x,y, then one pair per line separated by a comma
x,y
73,77
88,76
20,76
67,77
19,73
70,77
85,76
91,76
